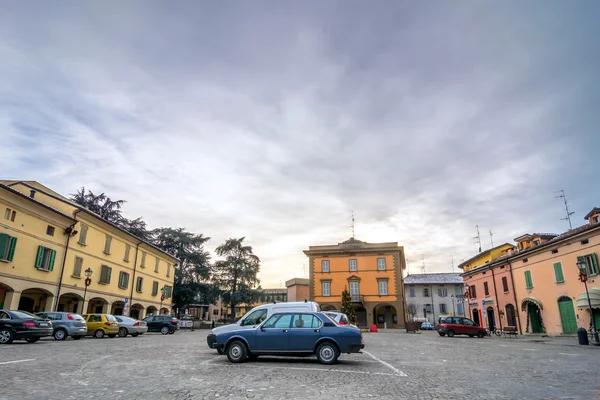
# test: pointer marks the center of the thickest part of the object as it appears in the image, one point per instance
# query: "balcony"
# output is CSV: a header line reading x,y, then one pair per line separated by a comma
x,y
357,298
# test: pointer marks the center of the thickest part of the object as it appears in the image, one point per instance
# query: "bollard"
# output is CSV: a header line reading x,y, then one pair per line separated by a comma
x,y
582,337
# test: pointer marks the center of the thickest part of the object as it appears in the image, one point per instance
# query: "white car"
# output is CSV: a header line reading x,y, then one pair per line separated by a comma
x,y
339,318
131,326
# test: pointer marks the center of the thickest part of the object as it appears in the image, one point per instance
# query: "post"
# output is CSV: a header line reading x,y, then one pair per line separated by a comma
x,y
453,309
84,294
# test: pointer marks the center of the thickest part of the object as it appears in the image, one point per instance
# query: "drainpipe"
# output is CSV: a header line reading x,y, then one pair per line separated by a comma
x,y
432,306
517,305
496,295
62,271
133,282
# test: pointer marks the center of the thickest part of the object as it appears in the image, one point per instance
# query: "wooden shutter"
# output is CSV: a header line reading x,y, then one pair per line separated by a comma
x,y
595,261
4,243
52,258
528,281
107,244
39,257
108,272
83,234
11,248
505,284
486,289
558,273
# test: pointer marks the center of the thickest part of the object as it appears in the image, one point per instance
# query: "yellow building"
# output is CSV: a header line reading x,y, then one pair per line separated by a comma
x,y
372,273
486,256
57,241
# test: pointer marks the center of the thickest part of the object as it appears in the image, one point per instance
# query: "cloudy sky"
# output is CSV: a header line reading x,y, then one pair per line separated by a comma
x,y
274,120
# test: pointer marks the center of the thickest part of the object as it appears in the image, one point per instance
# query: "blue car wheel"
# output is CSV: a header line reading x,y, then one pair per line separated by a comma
x,y
237,352
327,353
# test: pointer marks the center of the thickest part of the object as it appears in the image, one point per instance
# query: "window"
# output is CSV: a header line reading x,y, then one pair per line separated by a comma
x,y
425,292
168,270
77,267
383,288
83,234
168,292
107,244
584,241
156,265
472,292
305,321
10,215
140,284
458,292
95,318
596,220
127,250
354,291
442,308
486,289
460,309
324,265
45,259
50,230
558,273
215,312
255,318
525,260
353,265
554,251
7,247
123,280
442,292
528,281
428,308
381,264
143,262
105,272
278,321
591,262
505,284
7,214
326,288
412,292
467,322
154,288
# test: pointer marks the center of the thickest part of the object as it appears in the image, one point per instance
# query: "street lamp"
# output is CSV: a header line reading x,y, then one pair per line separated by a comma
x,y
453,310
582,266
88,282
162,298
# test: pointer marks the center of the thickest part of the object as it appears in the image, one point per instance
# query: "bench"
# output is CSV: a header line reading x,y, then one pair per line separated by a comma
x,y
510,330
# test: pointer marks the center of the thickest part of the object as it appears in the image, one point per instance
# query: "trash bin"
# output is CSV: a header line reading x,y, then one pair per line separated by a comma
x,y
582,336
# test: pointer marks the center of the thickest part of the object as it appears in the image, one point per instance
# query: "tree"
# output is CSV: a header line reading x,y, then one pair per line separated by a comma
x,y
236,274
347,307
411,310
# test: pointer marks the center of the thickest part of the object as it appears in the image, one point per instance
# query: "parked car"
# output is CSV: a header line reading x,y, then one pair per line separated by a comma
x,y
131,326
65,324
338,317
99,325
21,325
426,326
164,324
297,334
460,326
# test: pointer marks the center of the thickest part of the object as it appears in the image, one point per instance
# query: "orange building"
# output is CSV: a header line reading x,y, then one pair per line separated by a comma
x,y
372,272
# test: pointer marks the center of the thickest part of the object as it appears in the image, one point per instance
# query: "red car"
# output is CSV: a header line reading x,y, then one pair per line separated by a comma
x,y
460,326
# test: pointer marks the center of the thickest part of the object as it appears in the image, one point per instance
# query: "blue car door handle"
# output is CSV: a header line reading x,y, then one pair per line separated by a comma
x,y
285,331
317,330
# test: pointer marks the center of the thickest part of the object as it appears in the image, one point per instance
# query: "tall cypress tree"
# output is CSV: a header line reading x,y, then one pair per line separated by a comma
x,y
347,305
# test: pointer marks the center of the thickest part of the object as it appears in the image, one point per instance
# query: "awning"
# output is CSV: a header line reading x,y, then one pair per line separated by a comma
x,y
528,300
582,301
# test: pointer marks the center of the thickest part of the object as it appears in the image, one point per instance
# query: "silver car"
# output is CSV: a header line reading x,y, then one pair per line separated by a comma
x,y
338,317
131,326
66,324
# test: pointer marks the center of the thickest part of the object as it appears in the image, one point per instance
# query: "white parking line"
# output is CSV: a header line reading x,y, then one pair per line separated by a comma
x,y
210,359
396,370
16,361
310,369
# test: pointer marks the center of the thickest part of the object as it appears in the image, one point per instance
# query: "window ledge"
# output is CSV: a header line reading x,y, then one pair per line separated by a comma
x,y
4,261
75,276
81,244
560,283
103,283
123,288
43,270
506,292
139,291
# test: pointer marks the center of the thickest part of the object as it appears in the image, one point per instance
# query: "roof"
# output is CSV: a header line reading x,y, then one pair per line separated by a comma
x,y
483,253
39,203
550,243
296,281
352,245
595,210
41,188
426,279
540,235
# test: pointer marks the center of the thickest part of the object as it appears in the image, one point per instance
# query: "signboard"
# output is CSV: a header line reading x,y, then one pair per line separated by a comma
x,y
126,308
475,304
486,302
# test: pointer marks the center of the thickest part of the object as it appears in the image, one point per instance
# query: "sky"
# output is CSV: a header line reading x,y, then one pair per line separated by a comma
x,y
277,121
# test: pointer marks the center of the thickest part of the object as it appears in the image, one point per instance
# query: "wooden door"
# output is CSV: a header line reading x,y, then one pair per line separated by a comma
x,y
567,315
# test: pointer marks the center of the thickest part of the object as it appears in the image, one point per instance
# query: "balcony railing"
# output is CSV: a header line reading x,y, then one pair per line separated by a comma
x,y
357,298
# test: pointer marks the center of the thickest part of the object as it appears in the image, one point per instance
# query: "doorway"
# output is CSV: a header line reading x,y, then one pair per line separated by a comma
x,y
361,316
567,315
26,304
491,319
476,316
511,319
534,318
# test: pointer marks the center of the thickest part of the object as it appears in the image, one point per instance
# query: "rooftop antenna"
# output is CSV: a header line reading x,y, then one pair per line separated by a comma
x,y
423,266
478,238
569,213
352,224
492,238
452,263
304,269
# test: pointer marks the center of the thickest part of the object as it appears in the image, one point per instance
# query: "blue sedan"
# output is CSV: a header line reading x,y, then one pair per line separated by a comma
x,y
290,334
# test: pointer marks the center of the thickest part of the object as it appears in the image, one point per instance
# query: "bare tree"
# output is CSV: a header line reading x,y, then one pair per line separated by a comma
x,y
411,310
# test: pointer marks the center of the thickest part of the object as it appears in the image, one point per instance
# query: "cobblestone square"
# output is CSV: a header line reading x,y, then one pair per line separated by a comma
x,y
395,365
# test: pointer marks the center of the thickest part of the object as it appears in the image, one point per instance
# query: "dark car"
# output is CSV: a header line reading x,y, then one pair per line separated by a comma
x,y
297,334
164,324
460,326
21,325
66,324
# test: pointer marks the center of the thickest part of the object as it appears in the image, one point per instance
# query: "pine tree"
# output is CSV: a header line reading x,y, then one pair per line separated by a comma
x,y
347,306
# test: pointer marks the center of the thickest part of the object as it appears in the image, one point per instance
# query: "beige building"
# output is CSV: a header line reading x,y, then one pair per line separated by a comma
x,y
297,289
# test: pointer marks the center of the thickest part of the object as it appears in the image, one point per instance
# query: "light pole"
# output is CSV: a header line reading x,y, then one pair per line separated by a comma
x,y
162,298
582,266
453,309
88,282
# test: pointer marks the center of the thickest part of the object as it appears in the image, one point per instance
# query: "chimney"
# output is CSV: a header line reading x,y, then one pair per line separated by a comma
x,y
32,193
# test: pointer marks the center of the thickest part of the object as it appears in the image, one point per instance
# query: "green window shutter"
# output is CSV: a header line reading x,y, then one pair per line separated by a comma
x,y
52,258
40,257
558,273
595,261
528,281
4,243
11,249
108,271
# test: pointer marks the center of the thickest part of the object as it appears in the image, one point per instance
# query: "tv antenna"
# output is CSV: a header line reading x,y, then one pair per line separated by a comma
x,y
452,257
423,260
352,224
569,213
492,238
477,238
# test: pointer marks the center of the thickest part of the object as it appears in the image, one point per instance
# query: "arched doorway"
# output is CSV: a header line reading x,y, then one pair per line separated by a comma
x,y
151,311
70,302
164,311
35,300
97,305
136,311
328,307
491,318
567,315
476,317
4,289
117,308
533,307
511,318
361,316
385,315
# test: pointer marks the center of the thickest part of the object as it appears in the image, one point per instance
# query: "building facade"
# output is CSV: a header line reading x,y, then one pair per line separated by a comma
x,y
486,256
430,296
537,288
372,273
297,289
128,275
